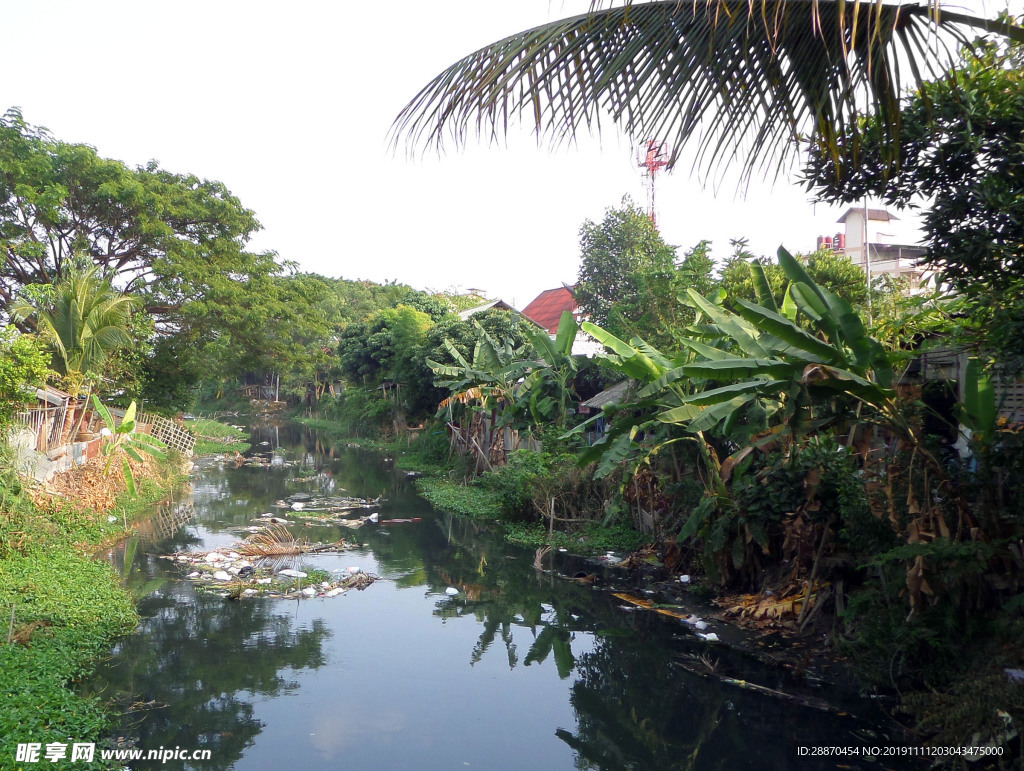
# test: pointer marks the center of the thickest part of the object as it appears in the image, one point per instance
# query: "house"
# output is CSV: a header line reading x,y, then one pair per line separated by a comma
x,y
546,311
547,308
884,252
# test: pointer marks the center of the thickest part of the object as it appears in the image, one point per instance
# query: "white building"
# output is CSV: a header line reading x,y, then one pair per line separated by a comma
x,y
888,250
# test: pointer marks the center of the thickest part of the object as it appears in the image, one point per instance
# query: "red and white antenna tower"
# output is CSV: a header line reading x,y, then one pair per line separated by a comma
x,y
652,157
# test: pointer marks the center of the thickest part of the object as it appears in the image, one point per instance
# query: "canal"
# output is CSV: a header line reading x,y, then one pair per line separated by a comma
x,y
521,669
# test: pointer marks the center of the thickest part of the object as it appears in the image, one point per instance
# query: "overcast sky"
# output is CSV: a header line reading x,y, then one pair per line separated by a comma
x,y
290,104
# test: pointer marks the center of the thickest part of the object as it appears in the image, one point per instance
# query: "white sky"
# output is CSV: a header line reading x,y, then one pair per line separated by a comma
x,y
289,104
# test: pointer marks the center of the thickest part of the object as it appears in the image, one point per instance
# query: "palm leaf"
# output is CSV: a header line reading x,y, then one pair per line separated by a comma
x,y
734,78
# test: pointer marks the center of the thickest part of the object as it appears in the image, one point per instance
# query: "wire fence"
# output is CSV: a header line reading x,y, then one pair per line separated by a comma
x,y
47,424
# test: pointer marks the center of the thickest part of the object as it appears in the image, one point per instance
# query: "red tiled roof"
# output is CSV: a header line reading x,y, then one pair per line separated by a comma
x,y
546,309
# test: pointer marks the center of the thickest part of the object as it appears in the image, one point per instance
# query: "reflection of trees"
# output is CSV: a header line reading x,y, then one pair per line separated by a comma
x,y
203,657
505,596
630,715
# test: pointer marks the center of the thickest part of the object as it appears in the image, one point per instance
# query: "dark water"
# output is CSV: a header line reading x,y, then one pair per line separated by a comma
x,y
522,670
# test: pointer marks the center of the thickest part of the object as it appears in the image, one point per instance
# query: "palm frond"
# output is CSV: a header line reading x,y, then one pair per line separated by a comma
x,y
738,80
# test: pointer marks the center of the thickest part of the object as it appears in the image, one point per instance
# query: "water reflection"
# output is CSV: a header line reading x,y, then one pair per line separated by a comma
x,y
519,669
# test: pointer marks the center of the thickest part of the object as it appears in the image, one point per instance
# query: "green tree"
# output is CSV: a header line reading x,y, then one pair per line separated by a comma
x,y
739,82
629,277
173,238
22,368
83,321
624,267
499,324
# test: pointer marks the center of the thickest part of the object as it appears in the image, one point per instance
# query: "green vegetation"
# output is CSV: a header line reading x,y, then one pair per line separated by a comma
x,y
22,367
461,498
67,610
766,426
214,437
82,319
590,539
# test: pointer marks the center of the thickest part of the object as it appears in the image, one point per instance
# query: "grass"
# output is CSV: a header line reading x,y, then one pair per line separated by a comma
x,y
471,500
68,610
586,540
214,437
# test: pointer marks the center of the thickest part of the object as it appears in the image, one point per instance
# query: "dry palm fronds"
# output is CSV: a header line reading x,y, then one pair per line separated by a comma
x,y
274,541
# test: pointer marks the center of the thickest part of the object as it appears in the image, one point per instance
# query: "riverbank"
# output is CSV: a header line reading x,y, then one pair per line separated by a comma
x,y
61,608
443,481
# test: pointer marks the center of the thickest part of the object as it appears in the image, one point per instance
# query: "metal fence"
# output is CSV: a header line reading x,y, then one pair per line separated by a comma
x,y
47,424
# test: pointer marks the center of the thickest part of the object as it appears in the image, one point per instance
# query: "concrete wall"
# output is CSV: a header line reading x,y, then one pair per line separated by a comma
x,y
42,466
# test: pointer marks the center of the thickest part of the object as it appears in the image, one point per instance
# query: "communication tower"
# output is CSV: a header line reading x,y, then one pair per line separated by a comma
x,y
652,157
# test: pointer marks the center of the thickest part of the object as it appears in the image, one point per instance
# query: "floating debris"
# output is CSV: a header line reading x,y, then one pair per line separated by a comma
x,y
229,574
328,504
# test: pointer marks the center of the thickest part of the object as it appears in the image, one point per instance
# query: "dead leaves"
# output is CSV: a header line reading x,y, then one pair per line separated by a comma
x,y
779,609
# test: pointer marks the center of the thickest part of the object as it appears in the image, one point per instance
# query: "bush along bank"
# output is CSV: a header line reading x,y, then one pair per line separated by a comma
x,y
61,608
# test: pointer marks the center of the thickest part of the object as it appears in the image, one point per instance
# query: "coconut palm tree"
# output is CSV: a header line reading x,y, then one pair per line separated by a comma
x,y
740,80
83,319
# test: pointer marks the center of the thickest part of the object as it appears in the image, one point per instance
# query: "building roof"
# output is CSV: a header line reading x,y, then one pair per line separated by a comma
x,y
615,393
547,307
499,305
879,215
52,395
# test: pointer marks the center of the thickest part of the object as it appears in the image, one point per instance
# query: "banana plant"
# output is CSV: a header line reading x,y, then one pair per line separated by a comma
x,y
770,364
488,380
548,388
125,440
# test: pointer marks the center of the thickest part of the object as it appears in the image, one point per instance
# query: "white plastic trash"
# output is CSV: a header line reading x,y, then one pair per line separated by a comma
x,y
684,579
291,573
451,591
220,575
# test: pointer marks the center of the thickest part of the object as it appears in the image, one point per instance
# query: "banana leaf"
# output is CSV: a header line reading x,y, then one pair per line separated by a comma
x,y
762,288
735,368
737,328
781,327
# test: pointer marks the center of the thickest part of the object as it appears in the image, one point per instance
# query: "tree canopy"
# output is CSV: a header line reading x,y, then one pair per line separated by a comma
x,y
175,239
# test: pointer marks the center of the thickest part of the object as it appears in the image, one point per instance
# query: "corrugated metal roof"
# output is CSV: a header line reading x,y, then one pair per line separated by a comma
x,y
546,309
615,393
500,305
52,395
